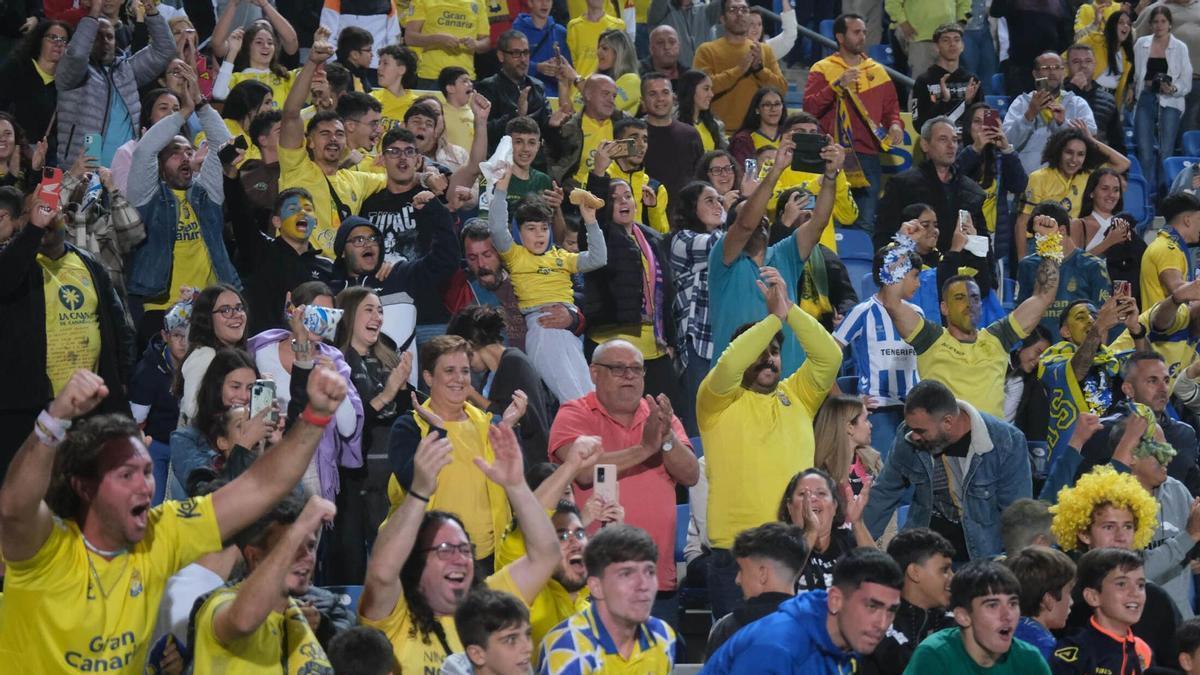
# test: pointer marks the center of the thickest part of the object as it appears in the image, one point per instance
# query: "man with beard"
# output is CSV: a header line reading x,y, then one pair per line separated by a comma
x,y
985,598
673,149
312,158
181,206
971,362
617,633
566,592
616,161
98,93
260,619
283,262
738,66
825,631
486,282
966,467
743,406
513,91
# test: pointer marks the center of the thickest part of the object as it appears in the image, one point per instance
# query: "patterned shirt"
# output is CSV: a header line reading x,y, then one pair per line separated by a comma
x,y
689,263
582,645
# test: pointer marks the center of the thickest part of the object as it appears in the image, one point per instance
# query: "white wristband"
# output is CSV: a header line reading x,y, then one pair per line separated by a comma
x,y
50,430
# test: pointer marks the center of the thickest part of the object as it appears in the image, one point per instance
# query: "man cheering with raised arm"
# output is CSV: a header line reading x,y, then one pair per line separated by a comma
x,y
81,540
758,429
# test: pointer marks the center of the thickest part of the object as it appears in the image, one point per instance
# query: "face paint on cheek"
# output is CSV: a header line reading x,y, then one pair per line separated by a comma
x,y
296,222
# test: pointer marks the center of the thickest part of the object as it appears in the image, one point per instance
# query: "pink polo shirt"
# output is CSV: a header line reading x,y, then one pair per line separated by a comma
x,y
647,491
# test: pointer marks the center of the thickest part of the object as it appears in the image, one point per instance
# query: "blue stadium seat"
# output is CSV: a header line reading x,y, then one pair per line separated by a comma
x,y
1130,141
697,446
848,384
683,515
1191,143
866,286
1171,167
1135,167
1000,103
347,596
1008,294
1135,199
882,53
826,28
998,82
854,244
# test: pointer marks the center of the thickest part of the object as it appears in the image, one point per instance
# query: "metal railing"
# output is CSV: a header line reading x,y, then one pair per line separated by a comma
x,y
896,75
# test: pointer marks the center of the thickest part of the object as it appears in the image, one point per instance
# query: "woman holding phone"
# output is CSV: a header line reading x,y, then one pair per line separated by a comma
x,y
990,160
1162,77
1104,231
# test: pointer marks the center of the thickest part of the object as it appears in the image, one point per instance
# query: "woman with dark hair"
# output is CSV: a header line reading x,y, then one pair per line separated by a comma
x,y
27,87
422,565
695,108
1104,231
1025,403
761,126
989,159
1162,77
1070,157
256,58
721,170
218,322
831,516
1113,50
287,357
507,370
222,422
157,103
696,219
247,100
380,377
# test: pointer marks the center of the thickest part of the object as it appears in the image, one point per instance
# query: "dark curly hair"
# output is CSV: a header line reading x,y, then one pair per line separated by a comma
x,y
424,623
479,325
30,48
79,457
200,330
1057,144
839,516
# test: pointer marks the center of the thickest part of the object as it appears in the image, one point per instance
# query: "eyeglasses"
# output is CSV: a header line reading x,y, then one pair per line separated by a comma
x,y
446,551
56,39
362,240
409,151
1042,69
579,534
230,311
519,53
721,170
738,9
622,370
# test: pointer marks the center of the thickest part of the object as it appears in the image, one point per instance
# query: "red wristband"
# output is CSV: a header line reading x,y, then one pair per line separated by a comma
x,y
314,419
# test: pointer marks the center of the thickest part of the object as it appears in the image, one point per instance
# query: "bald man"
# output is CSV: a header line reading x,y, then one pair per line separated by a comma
x,y
664,55
570,143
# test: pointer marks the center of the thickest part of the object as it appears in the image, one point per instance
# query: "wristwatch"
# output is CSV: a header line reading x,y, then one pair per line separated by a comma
x,y
668,445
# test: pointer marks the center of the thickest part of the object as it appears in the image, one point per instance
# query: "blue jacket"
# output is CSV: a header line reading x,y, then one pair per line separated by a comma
x,y
541,46
189,451
997,474
792,640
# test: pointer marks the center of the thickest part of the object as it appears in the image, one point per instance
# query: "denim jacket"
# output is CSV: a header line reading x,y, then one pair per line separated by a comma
x,y
997,475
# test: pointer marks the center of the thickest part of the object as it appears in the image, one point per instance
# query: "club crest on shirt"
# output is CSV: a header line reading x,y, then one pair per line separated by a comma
x,y
783,398
1068,654
135,583
187,510
1072,285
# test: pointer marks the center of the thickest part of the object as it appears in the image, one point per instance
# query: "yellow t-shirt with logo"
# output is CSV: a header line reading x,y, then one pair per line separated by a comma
x,y
1162,254
582,38
1049,184
72,318
190,262
459,18
1176,344
296,169
541,279
261,652
67,610
594,133
974,371
394,107
280,86
413,655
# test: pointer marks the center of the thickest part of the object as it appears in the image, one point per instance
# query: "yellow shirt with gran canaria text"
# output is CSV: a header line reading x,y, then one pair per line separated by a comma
x,y
68,610
190,262
458,18
72,318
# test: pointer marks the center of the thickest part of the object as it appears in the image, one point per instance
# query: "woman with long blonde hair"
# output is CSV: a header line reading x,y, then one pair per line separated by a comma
x,y
842,434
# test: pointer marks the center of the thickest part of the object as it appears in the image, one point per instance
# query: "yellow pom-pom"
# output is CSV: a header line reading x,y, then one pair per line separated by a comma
x,y
1050,246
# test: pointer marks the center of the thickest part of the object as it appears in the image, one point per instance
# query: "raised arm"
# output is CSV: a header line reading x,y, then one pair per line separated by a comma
x,y
222,31
726,374
580,455
809,234
1085,353
149,62
531,571
907,319
382,589
291,130
25,518
1045,288
267,587
143,170
467,174
750,213
273,475
72,68
498,220
596,255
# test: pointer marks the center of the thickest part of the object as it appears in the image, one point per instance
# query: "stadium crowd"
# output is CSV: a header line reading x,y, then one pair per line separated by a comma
x,y
575,336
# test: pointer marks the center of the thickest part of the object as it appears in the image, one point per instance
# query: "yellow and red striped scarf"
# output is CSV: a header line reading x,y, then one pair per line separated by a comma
x,y
869,73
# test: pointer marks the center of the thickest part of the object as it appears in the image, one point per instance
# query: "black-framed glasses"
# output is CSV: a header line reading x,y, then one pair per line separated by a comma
x,y
738,9
721,170
56,39
578,534
230,311
362,240
621,370
519,53
446,551
408,151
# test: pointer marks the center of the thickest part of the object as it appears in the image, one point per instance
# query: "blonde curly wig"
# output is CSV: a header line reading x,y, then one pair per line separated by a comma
x,y
1103,485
